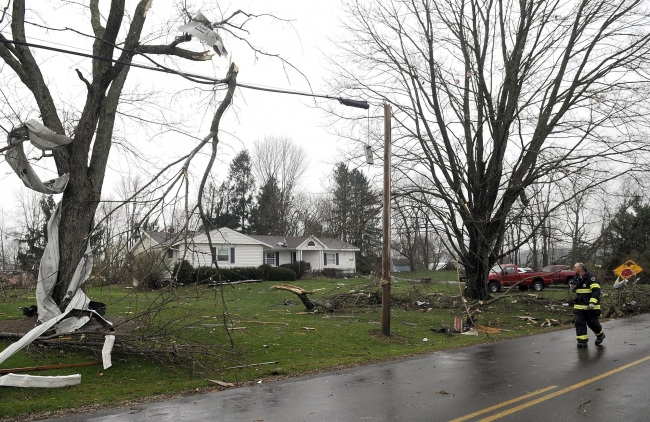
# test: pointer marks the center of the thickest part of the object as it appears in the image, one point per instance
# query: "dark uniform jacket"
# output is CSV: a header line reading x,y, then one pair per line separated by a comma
x,y
587,291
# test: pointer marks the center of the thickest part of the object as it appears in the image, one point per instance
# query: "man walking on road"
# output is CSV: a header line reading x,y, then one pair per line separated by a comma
x,y
586,308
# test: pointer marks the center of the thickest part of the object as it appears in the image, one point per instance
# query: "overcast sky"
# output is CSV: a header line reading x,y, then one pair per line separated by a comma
x,y
304,41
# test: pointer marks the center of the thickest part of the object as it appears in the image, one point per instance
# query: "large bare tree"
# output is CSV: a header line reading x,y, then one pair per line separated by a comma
x,y
281,159
119,32
492,96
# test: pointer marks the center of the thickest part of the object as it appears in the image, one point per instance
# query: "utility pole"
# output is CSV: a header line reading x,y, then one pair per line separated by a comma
x,y
385,276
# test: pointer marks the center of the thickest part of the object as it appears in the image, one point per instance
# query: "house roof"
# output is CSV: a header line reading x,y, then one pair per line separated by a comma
x,y
281,242
225,235
166,238
333,243
293,242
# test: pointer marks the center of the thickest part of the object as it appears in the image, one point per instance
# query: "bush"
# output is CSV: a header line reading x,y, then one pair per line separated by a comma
x,y
365,263
183,272
448,266
281,274
332,273
299,267
265,270
148,270
247,273
207,274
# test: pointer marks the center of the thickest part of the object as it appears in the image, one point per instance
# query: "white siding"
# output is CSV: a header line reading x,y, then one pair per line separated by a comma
x,y
347,261
145,244
285,257
245,255
315,258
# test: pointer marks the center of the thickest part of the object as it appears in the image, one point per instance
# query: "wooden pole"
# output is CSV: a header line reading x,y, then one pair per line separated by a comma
x,y
385,276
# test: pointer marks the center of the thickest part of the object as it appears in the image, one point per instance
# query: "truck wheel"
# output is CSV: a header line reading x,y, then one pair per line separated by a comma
x,y
537,285
493,287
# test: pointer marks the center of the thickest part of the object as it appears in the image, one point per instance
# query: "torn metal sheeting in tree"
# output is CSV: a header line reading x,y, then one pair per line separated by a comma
x,y
77,306
14,380
45,140
201,28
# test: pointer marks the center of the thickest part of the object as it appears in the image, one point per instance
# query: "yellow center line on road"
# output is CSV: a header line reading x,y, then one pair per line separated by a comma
x,y
505,403
559,392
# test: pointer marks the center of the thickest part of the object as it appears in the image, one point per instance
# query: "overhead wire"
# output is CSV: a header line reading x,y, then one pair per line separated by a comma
x,y
190,76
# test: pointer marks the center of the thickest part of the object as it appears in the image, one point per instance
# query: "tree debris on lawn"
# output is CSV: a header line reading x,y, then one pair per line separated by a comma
x,y
46,367
221,383
527,318
551,323
253,364
302,294
487,330
264,322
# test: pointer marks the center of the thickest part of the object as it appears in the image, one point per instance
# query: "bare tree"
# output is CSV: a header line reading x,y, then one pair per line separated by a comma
x,y
406,238
8,242
117,36
490,97
280,158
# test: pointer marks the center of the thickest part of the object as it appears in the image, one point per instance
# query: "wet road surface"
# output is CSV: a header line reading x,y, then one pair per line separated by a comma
x,y
538,378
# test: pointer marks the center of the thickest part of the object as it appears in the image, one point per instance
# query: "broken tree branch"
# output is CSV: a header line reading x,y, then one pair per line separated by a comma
x,y
301,293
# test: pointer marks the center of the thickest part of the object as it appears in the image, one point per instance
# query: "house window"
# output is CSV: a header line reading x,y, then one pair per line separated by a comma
x,y
222,254
311,243
170,253
269,258
331,259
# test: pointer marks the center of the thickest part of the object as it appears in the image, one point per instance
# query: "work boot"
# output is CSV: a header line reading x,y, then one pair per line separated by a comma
x,y
581,344
600,339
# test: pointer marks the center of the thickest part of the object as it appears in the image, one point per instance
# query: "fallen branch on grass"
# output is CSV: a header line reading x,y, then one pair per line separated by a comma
x,y
527,318
264,322
550,323
302,294
253,364
218,283
46,367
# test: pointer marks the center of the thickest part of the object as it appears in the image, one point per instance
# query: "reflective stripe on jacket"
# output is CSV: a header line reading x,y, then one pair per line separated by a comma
x,y
587,291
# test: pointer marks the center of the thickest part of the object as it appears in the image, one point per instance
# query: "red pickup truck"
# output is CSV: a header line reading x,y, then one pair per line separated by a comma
x,y
509,274
560,274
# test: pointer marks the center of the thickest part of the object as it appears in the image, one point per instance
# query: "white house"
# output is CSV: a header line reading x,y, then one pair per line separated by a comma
x,y
234,249
160,242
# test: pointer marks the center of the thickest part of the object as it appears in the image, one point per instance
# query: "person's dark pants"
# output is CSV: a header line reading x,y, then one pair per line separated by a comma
x,y
586,319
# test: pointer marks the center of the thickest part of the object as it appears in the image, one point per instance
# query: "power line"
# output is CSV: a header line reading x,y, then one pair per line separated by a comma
x,y
345,101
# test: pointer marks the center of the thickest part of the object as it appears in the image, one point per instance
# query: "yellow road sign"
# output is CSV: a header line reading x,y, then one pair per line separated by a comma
x,y
628,269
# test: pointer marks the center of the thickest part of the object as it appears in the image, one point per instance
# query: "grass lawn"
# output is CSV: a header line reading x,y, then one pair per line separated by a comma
x,y
265,325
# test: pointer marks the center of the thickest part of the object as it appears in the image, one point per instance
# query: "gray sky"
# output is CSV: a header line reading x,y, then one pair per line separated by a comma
x,y
303,41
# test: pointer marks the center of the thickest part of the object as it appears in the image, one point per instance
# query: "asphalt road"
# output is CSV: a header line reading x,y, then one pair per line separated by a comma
x,y
538,378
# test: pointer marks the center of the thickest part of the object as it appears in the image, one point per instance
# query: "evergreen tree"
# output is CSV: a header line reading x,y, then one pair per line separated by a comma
x,y
628,235
355,210
230,204
242,185
222,215
266,218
